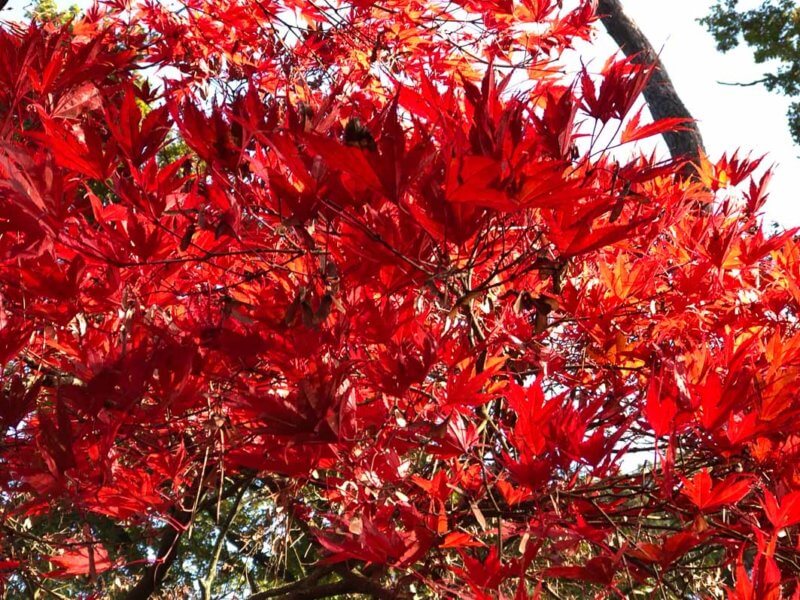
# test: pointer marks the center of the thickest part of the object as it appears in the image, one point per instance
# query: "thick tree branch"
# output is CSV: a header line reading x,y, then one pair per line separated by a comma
x,y
310,588
355,586
660,95
167,552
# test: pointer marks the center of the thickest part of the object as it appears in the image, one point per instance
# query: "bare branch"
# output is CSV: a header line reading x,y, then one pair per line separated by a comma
x,y
744,83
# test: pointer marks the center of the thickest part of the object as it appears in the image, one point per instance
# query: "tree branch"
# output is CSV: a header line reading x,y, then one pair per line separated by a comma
x,y
207,583
744,83
660,94
306,589
167,552
170,541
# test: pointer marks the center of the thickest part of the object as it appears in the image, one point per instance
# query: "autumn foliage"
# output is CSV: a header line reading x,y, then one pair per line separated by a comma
x,y
395,284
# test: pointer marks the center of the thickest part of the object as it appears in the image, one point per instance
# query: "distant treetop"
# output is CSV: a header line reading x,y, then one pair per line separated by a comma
x,y
773,31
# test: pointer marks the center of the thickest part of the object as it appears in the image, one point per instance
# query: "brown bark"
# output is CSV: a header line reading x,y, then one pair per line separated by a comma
x,y
660,95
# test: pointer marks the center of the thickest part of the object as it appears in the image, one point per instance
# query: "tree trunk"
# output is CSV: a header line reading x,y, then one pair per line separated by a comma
x,y
660,95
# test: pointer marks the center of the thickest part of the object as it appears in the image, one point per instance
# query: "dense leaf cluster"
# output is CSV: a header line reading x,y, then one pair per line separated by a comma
x,y
306,299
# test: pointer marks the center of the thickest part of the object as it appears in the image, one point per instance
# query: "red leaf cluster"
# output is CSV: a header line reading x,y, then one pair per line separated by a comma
x,y
374,258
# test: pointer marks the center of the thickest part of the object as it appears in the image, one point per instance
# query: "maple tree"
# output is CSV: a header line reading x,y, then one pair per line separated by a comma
x,y
324,299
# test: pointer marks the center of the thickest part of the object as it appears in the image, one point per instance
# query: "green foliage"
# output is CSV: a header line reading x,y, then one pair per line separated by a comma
x,y
48,11
772,30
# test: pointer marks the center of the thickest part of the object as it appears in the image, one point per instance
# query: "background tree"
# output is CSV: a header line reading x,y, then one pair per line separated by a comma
x,y
772,30
48,10
308,300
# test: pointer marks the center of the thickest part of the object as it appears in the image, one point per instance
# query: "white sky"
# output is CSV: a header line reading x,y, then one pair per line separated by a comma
x,y
746,118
